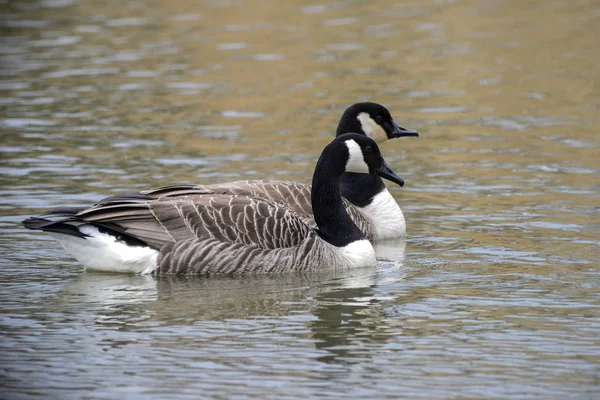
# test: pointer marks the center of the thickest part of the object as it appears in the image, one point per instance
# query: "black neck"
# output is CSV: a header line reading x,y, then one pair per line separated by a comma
x,y
334,223
360,189
349,123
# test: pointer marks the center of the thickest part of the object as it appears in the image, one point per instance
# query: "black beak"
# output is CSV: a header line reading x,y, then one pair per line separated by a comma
x,y
400,131
386,173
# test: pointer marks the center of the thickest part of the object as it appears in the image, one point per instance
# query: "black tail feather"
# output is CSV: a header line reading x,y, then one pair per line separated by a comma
x,y
46,225
42,224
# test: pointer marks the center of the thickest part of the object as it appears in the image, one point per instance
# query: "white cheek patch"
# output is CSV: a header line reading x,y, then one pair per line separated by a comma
x,y
371,128
356,161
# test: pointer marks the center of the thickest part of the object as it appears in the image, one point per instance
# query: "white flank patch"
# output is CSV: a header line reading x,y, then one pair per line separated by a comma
x,y
359,253
356,161
371,128
103,252
385,215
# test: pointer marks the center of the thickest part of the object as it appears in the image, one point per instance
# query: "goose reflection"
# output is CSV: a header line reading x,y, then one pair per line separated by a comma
x,y
350,317
341,312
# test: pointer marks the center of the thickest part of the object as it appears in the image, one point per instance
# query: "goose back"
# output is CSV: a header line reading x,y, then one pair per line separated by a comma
x,y
292,195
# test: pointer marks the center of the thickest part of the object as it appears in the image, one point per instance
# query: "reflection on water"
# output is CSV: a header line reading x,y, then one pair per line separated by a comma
x,y
495,293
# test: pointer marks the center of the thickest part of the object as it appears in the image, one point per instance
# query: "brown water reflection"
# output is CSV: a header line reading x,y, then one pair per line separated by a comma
x,y
495,295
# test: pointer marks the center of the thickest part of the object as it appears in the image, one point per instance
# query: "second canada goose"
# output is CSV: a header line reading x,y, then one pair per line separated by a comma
x,y
224,234
370,205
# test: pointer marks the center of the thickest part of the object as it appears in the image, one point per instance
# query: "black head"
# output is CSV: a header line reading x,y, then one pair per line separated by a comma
x,y
363,157
373,120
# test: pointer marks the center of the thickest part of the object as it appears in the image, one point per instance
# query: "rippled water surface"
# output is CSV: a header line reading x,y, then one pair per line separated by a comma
x,y
496,291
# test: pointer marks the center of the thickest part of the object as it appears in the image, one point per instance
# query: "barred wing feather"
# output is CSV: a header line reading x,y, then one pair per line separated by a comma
x,y
292,195
232,219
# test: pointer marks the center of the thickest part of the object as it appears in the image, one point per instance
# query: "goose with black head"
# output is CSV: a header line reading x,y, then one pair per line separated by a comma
x,y
215,234
368,202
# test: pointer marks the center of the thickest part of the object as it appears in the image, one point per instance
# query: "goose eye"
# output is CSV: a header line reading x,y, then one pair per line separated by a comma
x,y
368,149
378,119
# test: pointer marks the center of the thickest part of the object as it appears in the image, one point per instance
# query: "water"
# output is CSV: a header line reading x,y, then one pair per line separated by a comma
x,y
495,293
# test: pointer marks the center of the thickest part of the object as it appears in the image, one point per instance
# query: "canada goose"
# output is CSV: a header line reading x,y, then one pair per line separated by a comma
x,y
224,234
371,206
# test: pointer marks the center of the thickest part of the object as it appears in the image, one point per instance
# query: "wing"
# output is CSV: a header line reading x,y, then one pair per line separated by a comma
x,y
227,218
293,195
296,196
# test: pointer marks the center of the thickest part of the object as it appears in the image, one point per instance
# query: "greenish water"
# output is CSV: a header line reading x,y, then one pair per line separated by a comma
x,y
494,294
